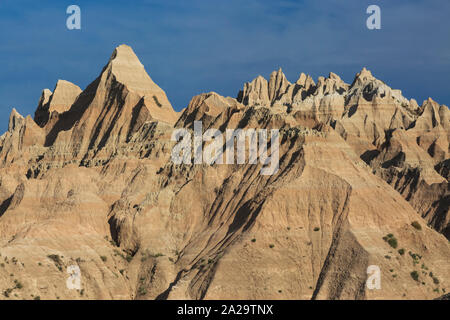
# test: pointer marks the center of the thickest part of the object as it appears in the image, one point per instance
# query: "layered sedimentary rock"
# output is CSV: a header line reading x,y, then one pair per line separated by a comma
x,y
405,144
362,181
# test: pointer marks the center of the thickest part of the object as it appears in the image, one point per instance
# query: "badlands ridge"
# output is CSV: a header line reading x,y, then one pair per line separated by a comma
x,y
362,180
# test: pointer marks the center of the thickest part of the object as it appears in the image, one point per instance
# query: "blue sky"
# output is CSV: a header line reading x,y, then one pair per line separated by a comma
x,y
190,47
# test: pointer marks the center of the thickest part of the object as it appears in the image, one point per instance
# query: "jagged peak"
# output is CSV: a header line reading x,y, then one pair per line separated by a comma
x,y
63,96
305,80
301,78
413,105
15,120
365,73
15,113
279,71
429,115
45,97
278,74
429,100
334,76
429,105
125,54
259,78
256,91
363,76
127,69
64,84
60,100
213,98
278,84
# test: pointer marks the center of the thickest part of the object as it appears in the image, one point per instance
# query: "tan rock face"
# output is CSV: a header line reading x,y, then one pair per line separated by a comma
x,y
93,186
402,142
63,96
51,104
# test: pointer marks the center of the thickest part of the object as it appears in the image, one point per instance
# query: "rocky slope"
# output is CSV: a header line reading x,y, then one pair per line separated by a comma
x,y
406,145
362,180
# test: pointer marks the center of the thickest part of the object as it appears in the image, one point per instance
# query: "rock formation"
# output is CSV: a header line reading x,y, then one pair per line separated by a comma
x,y
59,101
362,180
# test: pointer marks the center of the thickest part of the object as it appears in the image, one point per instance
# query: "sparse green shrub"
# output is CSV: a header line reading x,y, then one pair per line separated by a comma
x,y
57,260
316,229
271,246
128,257
253,240
54,257
7,292
103,258
416,225
435,280
18,284
393,242
37,298
401,251
142,291
416,257
415,275
147,254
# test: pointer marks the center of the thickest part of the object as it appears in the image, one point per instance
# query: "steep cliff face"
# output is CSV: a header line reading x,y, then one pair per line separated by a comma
x,y
405,144
90,182
59,101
